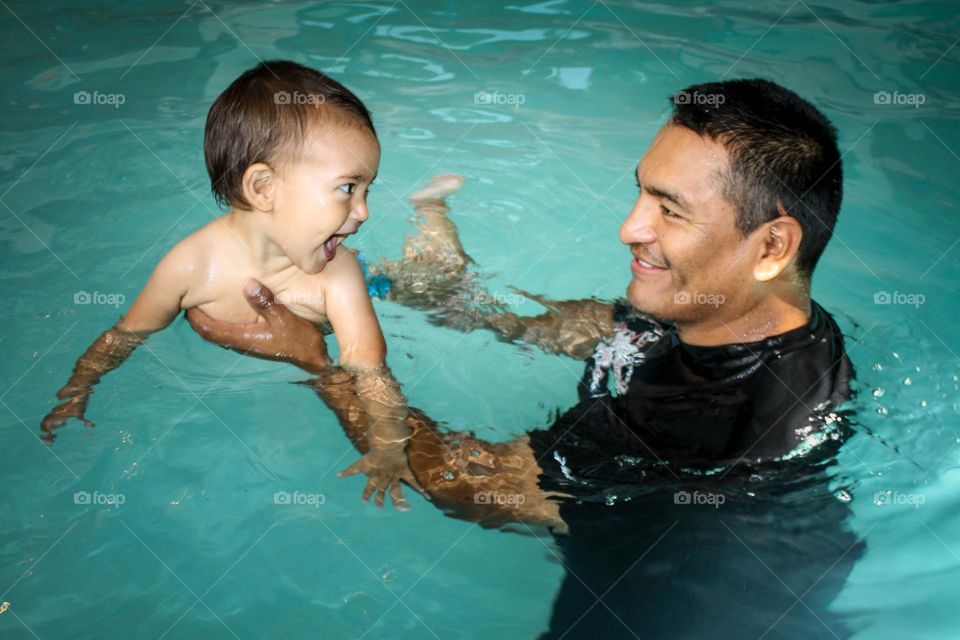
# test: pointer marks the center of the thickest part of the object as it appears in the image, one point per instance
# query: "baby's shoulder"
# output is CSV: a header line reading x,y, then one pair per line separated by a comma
x,y
191,258
343,272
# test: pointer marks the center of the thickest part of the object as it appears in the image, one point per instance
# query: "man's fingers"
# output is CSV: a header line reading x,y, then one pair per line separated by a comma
x,y
227,334
259,296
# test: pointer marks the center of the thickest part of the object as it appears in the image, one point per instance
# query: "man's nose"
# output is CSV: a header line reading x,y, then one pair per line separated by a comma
x,y
639,227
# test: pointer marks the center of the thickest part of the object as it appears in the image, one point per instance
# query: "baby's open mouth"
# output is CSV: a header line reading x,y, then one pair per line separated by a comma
x,y
330,246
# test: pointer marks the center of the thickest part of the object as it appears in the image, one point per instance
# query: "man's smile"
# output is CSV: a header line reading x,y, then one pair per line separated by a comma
x,y
643,265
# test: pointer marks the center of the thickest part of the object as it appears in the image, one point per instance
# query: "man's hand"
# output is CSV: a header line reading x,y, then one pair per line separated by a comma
x,y
284,336
385,470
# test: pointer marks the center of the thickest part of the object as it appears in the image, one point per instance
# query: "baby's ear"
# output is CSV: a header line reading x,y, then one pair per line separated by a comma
x,y
259,183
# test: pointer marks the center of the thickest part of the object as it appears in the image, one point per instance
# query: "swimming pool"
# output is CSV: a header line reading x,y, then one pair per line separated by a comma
x,y
546,108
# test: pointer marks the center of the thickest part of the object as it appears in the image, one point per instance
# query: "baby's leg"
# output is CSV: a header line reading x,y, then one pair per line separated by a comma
x,y
434,259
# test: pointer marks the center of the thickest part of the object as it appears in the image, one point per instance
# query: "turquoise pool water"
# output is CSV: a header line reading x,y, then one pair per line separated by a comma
x,y
545,108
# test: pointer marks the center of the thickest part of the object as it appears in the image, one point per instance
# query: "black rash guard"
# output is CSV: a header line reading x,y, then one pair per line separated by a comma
x,y
633,460
680,403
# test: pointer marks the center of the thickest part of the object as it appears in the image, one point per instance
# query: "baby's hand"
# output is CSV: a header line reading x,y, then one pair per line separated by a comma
x,y
385,469
73,407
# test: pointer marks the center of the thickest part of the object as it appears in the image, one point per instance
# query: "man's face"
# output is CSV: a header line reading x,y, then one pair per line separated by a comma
x,y
690,262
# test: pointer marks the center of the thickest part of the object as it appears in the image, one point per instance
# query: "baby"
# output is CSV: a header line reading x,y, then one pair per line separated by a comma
x,y
293,153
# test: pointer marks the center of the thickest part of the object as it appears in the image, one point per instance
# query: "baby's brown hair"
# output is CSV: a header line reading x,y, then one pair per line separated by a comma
x,y
265,115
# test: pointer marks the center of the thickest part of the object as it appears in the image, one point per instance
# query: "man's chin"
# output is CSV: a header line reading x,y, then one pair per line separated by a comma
x,y
644,302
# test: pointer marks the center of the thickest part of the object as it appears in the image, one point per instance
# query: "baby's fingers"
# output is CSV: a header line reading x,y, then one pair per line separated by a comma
x,y
353,469
381,494
411,480
369,489
399,502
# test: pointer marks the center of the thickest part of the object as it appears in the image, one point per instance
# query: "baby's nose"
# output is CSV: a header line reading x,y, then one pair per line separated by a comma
x,y
360,212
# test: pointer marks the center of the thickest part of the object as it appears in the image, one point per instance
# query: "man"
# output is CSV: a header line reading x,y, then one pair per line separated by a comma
x,y
723,362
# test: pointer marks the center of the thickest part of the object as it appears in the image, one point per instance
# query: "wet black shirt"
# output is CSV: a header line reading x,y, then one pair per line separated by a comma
x,y
703,405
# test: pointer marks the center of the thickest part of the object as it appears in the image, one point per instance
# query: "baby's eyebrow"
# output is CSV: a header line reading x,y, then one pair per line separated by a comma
x,y
356,176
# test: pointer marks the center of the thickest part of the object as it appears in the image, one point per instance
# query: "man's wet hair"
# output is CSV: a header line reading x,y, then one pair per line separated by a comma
x,y
265,115
783,153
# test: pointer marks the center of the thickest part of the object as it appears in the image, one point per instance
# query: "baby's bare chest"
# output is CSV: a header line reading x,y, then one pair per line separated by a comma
x,y
221,296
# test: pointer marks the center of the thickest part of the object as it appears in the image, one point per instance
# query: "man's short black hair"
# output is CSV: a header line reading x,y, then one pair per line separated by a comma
x,y
783,153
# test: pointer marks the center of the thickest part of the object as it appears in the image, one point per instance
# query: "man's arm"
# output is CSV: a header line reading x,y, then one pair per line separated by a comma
x,y
429,450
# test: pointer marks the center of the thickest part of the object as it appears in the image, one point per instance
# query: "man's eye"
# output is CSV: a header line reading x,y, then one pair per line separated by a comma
x,y
667,212
348,187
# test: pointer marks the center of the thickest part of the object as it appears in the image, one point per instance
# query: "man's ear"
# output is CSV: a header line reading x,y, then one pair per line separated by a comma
x,y
259,186
778,243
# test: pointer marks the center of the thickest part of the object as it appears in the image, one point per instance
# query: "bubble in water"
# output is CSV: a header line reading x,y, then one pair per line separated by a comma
x,y
877,366
923,404
610,500
878,392
882,411
843,496
907,382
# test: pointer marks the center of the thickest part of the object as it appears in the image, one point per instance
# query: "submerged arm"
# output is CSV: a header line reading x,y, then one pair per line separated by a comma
x,y
156,306
456,470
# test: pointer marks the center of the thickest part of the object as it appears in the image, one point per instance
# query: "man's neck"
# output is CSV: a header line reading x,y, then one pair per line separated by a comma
x,y
773,316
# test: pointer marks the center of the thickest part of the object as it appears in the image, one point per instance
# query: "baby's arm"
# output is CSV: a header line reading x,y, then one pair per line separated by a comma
x,y
363,353
156,306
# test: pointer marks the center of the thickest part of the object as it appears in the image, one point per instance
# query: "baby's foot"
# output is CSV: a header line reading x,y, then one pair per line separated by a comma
x,y
438,188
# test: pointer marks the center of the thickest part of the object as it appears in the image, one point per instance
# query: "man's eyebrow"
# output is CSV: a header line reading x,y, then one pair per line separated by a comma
x,y
669,195
666,193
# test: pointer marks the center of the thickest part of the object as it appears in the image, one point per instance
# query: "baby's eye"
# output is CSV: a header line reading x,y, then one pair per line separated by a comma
x,y
348,187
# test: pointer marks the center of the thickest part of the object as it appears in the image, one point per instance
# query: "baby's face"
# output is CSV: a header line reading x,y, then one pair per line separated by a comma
x,y
322,198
